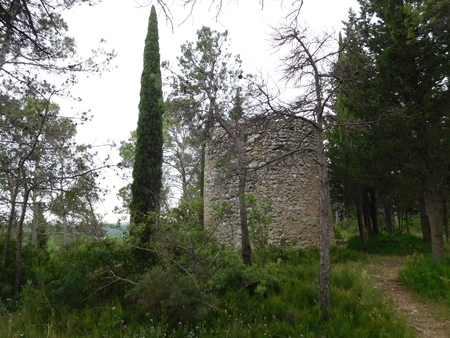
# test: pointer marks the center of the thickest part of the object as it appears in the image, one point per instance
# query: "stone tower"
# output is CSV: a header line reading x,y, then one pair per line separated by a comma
x,y
281,166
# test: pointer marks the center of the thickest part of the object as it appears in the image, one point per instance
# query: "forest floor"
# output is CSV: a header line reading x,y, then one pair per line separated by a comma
x,y
429,319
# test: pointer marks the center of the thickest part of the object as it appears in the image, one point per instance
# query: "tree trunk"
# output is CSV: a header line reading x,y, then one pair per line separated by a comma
x,y
360,217
407,222
20,242
65,229
373,209
245,236
445,218
325,222
388,217
242,173
424,220
432,202
400,221
246,247
35,221
366,213
201,211
11,17
97,226
12,216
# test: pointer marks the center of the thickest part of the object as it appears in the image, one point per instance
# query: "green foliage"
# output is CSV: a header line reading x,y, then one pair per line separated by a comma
x,y
165,293
390,244
276,299
341,255
29,254
199,289
258,220
346,228
147,169
427,277
81,274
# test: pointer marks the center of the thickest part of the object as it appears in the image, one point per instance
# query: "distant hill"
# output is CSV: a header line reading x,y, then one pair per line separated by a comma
x,y
115,230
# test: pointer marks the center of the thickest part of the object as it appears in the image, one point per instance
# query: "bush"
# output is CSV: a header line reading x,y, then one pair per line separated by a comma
x,y
390,244
7,280
84,272
429,278
166,293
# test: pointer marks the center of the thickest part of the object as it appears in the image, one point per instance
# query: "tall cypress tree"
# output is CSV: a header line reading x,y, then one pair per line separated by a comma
x,y
147,169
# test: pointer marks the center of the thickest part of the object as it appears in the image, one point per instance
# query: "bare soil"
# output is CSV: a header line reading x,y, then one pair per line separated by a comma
x,y
427,322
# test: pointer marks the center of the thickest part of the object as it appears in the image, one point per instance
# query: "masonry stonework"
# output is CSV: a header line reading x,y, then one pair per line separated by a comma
x,y
281,166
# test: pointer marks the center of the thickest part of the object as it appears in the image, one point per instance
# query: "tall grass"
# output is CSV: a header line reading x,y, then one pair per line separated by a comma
x,y
390,244
282,303
429,278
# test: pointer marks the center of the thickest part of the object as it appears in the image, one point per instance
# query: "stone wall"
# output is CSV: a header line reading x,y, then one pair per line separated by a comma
x,y
281,167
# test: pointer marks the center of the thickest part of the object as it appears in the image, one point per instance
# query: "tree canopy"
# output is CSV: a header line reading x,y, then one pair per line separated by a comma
x,y
147,168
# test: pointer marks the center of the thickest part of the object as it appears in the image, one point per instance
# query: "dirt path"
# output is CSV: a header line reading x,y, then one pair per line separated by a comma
x,y
385,270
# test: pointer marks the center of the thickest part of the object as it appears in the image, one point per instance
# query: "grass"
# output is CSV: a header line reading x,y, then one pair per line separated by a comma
x,y
427,277
285,307
390,244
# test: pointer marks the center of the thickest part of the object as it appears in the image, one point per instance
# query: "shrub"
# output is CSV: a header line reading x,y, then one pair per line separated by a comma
x,y
390,244
7,280
429,278
83,273
166,293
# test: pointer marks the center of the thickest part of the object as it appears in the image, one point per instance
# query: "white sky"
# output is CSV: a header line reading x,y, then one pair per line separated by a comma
x,y
113,98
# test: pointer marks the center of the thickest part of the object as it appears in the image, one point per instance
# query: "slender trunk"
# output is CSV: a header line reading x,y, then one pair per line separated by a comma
x,y
373,209
445,218
65,229
366,214
324,240
246,247
424,220
360,217
201,212
18,280
388,217
432,201
245,236
407,222
12,217
10,19
400,221
242,173
35,221
338,219
98,231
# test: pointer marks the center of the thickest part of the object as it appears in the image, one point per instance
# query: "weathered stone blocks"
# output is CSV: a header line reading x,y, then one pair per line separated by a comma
x,y
281,166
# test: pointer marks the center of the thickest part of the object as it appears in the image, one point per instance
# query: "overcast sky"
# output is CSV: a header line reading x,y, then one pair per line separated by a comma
x,y
113,97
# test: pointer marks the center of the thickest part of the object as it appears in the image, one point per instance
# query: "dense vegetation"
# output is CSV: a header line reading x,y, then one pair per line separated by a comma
x,y
147,167
96,289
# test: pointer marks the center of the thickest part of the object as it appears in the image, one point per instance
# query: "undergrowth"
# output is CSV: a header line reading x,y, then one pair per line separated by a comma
x,y
276,297
427,277
390,244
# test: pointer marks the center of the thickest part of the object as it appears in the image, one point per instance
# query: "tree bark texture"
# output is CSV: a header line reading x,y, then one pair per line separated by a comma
x,y
373,210
424,220
324,241
360,217
433,207
20,241
388,217
12,216
445,218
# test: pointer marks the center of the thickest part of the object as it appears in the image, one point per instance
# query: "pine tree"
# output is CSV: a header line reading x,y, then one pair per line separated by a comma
x,y
147,169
